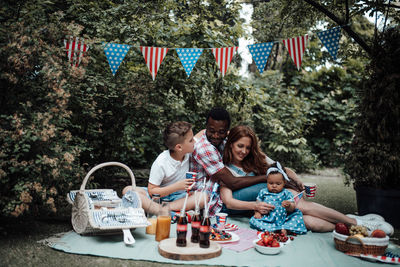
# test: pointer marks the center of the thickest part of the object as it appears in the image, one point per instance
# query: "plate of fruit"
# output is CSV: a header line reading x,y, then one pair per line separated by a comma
x,y
222,236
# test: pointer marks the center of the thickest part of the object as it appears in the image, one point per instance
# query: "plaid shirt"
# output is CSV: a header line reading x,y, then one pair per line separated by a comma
x,y
206,161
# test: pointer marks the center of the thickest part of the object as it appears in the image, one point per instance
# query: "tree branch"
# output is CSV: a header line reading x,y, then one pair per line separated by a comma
x,y
344,25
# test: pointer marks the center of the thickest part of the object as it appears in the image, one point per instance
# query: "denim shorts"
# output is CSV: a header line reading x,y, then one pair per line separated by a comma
x,y
171,197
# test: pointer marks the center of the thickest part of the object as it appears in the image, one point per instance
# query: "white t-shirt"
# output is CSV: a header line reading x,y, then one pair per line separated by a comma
x,y
166,170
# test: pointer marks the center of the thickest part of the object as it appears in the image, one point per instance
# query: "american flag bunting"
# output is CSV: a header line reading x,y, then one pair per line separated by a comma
x,y
296,47
75,47
153,57
330,38
224,56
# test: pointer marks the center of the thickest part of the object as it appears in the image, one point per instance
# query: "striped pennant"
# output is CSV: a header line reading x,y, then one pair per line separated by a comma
x,y
75,48
223,56
296,47
153,57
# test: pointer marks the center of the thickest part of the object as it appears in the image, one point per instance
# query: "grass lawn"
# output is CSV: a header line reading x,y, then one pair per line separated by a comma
x,y
19,246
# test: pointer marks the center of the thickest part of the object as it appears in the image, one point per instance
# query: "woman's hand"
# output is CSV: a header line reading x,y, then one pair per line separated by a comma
x,y
263,208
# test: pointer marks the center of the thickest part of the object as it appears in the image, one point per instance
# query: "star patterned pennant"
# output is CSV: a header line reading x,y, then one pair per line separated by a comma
x,y
224,56
260,54
330,38
296,47
189,57
75,47
115,54
153,57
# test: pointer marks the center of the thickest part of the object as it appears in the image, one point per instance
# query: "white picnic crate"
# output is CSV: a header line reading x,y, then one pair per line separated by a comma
x,y
101,211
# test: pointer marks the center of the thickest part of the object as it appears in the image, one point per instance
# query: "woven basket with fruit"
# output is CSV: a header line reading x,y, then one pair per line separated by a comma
x,y
357,240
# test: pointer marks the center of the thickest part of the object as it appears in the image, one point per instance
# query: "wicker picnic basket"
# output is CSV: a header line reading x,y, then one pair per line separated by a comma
x,y
355,245
101,211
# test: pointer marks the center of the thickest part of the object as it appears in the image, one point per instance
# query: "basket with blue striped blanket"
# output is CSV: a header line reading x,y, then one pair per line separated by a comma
x,y
101,211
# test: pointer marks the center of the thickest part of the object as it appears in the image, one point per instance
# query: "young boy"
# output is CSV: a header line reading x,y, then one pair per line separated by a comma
x,y
168,172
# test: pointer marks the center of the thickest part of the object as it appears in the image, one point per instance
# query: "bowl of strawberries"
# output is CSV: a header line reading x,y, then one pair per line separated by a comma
x,y
267,244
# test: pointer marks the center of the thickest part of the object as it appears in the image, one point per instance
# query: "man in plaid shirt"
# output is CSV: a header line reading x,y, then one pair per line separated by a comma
x,y
207,162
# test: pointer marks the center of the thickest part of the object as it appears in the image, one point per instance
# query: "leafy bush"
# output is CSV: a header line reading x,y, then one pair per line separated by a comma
x,y
374,159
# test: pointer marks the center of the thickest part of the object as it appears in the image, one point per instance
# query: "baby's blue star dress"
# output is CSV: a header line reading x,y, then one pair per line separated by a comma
x,y
278,218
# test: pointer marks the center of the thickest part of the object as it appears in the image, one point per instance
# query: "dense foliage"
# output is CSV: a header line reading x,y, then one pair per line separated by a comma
x,y
374,159
58,121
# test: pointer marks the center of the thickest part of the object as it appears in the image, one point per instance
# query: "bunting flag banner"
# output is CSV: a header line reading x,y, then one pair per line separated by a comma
x,y
75,48
296,47
223,56
115,54
153,57
330,38
260,54
189,57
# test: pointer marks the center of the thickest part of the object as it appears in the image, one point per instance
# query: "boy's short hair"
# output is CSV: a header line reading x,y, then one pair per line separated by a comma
x,y
219,114
175,133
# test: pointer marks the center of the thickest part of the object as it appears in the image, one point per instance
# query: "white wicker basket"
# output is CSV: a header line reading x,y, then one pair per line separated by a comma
x,y
100,211
356,245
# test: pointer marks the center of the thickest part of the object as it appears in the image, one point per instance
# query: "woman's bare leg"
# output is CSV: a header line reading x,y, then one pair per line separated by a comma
x,y
316,224
317,210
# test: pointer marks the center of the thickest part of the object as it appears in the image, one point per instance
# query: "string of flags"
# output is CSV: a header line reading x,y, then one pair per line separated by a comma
x,y
115,53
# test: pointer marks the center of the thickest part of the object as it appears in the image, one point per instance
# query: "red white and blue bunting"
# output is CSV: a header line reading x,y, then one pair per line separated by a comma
x,y
296,48
260,54
330,38
189,57
115,54
154,56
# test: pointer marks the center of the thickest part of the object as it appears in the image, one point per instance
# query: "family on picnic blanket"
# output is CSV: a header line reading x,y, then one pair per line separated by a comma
x,y
236,177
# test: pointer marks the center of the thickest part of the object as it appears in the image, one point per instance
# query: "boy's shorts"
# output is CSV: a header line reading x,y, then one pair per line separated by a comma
x,y
171,197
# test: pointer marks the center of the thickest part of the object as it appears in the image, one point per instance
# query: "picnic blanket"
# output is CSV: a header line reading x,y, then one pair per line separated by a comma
x,y
312,249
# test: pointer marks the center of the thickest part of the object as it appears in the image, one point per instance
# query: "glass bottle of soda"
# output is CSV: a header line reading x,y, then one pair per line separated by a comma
x,y
205,231
196,220
181,229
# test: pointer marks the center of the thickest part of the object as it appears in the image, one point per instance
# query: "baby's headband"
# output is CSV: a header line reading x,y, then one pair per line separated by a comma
x,y
279,169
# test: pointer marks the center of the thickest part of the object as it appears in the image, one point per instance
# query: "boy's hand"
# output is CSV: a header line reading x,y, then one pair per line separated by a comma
x,y
188,184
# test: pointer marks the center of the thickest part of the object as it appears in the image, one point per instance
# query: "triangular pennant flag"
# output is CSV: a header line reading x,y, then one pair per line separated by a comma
x,y
153,56
115,54
189,57
260,54
223,56
330,38
76,48
296,47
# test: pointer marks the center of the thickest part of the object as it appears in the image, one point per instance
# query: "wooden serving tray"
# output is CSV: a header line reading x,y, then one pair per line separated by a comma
x,y
168,249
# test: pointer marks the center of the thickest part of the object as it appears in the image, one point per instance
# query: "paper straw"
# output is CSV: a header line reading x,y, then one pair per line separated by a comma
x,y
184,203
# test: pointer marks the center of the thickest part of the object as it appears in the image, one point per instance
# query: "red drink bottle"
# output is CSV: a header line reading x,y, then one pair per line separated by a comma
x,y
196,220
181,230
205,231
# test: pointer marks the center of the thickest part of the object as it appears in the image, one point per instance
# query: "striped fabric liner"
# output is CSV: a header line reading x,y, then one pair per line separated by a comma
x,y
119,218
97,195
